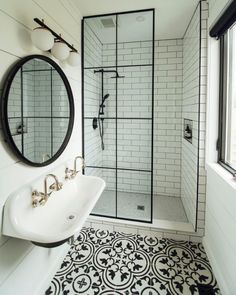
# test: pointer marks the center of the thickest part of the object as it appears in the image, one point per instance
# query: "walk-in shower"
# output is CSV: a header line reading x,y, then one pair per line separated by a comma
x,y
134,118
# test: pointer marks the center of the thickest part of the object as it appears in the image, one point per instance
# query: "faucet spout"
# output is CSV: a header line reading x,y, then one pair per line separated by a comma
x,y
40,198
75,162
56,186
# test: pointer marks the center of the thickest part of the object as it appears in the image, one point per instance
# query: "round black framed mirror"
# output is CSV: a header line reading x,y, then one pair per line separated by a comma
x,y
37,110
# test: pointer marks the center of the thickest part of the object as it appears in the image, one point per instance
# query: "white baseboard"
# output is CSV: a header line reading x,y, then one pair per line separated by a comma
x,y
216,269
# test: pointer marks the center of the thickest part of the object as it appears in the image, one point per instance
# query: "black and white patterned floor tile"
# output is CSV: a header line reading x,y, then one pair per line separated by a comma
x,y
112,263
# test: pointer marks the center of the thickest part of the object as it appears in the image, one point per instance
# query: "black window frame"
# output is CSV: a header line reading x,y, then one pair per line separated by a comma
x,y
224,42
220,31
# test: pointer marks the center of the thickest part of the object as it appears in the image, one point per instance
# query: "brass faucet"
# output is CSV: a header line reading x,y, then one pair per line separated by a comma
x,y
40,198
71,173
75,161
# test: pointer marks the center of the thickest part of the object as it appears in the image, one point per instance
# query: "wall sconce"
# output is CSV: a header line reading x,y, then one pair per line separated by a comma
x,y
60,50
42,38
73,59
46,39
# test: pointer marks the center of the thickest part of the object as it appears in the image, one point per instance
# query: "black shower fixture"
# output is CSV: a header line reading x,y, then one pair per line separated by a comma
x,y
109,71
100,120
117,76
102,105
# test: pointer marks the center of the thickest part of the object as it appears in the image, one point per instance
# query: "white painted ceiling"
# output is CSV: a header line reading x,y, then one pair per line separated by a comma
x,y
172,16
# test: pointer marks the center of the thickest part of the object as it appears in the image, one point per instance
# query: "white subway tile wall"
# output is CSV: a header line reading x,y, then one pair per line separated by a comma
x,y
167,117
194,70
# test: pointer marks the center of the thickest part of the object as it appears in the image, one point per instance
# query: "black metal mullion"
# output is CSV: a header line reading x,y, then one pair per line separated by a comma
x,y
51,115
119,66
82,89
22,110
118,168
40,117
121,218
116,122
118,13
120,118
152,139
199,104
39,70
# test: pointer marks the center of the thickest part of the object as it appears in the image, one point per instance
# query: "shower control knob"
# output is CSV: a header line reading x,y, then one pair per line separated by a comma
x,y
95,123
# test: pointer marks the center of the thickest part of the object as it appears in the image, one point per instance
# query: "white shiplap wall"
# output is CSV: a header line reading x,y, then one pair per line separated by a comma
x,y
220,228
20,261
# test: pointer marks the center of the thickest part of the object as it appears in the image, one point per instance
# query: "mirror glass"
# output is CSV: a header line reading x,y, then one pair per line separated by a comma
x,y
39,111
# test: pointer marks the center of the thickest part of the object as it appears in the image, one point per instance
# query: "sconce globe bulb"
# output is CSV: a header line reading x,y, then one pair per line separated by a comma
x,y
73,59
42,38
60,50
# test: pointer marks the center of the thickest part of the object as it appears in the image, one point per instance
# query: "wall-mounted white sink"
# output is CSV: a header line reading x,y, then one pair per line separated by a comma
x,y
60,218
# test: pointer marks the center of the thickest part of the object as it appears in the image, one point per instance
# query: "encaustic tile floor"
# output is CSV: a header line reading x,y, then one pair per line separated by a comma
x,y
103,262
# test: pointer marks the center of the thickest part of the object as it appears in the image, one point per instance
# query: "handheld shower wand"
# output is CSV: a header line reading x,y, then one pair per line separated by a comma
x,y
102,106
100,120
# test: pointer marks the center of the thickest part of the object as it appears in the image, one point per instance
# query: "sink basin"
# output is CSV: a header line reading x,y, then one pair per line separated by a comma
x,y
60,218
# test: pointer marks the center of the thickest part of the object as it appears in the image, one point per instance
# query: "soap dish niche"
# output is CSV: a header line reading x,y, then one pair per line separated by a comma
x,y
188,130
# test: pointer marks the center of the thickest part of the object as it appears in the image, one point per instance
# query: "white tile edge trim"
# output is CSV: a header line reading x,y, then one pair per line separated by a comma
x,y
158,224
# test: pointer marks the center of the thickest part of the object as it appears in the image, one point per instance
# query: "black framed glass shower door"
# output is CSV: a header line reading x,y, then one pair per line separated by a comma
x,y
117,109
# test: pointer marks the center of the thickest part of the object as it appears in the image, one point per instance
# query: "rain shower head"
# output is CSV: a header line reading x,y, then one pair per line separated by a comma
x,y
117,76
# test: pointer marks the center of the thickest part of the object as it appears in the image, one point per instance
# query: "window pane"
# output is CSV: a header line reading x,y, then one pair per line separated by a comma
x,y
230,149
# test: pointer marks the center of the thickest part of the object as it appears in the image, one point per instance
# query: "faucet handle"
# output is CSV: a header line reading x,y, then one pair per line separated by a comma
x,y
55,187
69,174
38,198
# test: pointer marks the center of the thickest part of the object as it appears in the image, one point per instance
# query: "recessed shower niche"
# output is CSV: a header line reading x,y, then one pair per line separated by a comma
x,y
136,89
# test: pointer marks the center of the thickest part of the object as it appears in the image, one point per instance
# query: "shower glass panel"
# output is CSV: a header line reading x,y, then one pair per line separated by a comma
x,y
134,195
135,92
118,94
134,144
135,35
106,205
96,157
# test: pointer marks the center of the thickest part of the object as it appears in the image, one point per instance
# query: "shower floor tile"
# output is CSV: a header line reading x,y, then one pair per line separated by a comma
x,y
164,207
169,208
102,262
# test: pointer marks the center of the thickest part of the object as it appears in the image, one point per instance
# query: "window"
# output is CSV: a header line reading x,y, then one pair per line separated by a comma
x,y
224,29
227,107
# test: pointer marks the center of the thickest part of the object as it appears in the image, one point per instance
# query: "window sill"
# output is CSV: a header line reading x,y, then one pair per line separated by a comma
x,y
223,173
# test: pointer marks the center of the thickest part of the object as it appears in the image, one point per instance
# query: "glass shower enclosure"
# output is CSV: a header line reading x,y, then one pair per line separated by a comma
x,y
118,111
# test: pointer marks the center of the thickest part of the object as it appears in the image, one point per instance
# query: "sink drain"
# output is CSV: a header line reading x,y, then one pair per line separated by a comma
x,y
71,217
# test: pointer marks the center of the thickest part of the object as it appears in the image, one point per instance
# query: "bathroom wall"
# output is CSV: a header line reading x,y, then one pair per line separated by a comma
x,y
167,119
20,261
193,108
220,239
